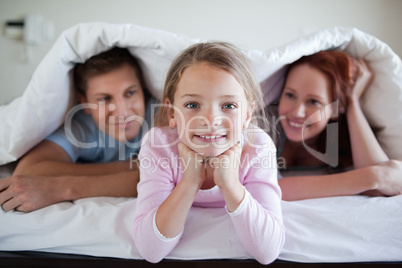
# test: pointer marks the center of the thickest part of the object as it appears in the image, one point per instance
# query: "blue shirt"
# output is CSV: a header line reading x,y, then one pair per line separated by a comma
x,y
88,144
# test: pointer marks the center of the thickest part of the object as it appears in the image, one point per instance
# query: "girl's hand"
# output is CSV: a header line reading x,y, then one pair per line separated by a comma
x,y
226,167
193,166
364,78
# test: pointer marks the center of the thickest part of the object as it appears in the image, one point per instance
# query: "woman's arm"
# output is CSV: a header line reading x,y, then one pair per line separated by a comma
x,y
381,179
341,184
366,150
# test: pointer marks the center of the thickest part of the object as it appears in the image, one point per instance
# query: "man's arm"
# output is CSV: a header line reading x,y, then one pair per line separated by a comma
x,y
46,175
49,159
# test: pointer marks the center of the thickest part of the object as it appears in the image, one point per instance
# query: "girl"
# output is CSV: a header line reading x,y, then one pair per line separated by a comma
x,y
320,90
208,152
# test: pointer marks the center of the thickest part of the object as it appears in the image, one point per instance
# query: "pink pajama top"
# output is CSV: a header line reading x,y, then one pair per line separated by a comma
x,y
257,220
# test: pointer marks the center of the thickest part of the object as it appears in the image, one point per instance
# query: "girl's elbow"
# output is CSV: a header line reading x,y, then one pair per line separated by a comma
x,y
270,252
267,258
151,256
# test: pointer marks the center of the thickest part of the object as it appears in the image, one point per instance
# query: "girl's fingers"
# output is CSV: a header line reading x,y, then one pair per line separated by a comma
x,y
227,159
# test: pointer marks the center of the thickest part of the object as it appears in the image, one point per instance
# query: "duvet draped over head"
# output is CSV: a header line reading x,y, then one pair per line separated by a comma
x,y
49,95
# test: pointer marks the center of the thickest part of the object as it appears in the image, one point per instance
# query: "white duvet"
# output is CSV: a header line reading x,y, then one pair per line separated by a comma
x,y
339,229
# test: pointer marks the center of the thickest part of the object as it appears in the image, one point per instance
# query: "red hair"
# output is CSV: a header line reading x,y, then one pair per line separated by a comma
x,y
338,67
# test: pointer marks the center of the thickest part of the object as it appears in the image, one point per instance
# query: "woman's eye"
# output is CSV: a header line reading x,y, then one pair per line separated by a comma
x,y
315,103
289,95
229,106
192,105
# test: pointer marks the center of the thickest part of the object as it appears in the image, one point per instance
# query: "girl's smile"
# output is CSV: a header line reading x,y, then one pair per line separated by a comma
x,y
210,137
210,109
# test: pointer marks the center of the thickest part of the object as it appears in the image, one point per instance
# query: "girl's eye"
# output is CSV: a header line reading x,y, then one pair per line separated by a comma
x,y
192,105
229,106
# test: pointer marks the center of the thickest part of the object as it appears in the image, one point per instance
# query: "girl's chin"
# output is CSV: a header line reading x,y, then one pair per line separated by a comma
x,y
210,152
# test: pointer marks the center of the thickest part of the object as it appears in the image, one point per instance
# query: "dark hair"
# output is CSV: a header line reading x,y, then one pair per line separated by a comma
x,y
341,70
103,63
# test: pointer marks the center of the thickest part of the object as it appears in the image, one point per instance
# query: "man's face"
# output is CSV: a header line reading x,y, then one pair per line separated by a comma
x,y
120,103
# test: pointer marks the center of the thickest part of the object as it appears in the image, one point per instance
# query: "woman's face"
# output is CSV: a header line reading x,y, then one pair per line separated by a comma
x,y
304,108
210,109
119,104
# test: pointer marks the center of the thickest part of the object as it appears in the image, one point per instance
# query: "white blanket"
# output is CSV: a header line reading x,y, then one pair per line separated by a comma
x,y
341,229
337,229
47,98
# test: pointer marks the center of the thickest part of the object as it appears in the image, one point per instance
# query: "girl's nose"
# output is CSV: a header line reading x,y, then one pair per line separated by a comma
x,y
211,118
216,121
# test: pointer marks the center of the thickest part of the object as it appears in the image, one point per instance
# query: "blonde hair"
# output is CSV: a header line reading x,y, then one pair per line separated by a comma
x,y
223,56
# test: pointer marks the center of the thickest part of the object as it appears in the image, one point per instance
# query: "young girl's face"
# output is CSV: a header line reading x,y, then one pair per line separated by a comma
x,y
305,93
210,109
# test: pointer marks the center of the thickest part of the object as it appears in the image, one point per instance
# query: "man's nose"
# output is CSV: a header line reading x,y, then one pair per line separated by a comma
x,y
120,108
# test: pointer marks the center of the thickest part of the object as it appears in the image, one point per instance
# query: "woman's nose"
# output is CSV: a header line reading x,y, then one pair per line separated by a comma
x,y
300,110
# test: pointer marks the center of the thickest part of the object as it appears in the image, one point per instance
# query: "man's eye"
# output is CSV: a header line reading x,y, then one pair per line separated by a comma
x,y
104,99
192,105
130,93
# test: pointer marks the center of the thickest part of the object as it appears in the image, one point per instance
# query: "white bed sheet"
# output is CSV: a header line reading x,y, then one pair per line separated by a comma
x,y
336,229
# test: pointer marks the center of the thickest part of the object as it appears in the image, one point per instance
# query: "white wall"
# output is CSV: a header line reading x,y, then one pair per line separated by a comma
x,y
259,24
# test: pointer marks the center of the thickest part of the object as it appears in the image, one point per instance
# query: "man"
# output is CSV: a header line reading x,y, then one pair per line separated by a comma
x,y
92,154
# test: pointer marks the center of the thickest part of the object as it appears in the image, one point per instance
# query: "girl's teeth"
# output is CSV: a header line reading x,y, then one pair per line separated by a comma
x,y
209,137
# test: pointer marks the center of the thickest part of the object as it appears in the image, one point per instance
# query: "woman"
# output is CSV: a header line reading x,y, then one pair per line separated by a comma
x,y
321,95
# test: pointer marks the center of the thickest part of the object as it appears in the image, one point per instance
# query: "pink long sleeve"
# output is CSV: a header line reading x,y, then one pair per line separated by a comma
x,y
257,221
157,173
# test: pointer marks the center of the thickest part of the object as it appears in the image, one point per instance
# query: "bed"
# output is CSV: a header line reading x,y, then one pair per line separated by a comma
x,y
97,231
